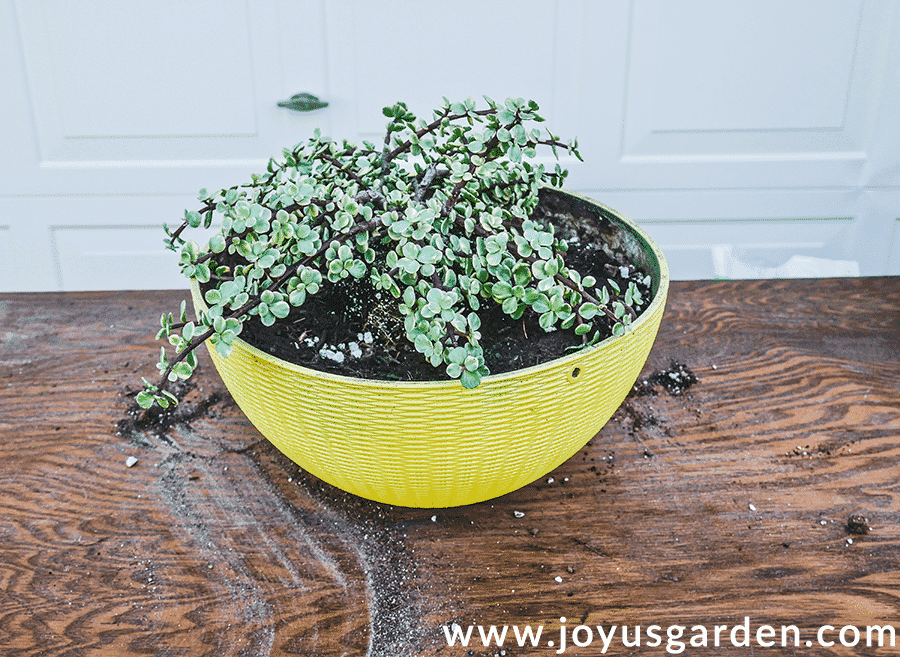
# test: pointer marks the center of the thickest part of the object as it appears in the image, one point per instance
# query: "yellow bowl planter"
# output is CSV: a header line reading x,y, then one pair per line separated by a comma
x,y
434,443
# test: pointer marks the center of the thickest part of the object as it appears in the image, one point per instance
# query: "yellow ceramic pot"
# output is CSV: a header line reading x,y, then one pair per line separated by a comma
x,y
434,443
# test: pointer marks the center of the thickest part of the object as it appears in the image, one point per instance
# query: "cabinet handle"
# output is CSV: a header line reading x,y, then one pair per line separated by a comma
x,y
303,102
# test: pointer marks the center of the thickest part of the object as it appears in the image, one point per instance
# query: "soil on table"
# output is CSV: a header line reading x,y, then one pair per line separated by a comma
x,y
350,328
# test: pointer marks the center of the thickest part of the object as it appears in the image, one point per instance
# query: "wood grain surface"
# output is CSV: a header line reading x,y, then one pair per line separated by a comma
x,y
728,500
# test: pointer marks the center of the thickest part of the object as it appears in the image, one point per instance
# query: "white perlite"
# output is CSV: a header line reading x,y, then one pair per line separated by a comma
x,y
332,354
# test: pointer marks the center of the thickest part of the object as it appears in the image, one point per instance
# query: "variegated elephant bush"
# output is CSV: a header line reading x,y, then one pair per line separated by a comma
x,y
438,216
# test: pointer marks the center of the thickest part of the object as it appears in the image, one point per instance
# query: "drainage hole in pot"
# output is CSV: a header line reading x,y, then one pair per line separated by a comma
x,y
576,372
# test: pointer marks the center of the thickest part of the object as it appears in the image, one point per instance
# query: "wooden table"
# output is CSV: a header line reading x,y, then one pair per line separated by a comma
x,y
728,501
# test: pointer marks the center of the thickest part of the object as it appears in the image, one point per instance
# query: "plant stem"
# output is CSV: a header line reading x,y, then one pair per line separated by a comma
x,y
254,302
434,125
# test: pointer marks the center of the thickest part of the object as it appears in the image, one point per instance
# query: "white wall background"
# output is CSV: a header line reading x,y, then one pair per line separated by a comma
x,y
750,138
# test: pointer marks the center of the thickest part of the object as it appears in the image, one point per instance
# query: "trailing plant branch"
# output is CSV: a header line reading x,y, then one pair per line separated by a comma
x,y
434,125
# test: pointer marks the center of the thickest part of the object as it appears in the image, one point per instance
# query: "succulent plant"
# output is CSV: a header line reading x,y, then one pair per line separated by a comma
x,y
439,216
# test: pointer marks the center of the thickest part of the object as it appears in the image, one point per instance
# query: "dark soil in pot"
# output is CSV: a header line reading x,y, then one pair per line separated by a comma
x,y
350,329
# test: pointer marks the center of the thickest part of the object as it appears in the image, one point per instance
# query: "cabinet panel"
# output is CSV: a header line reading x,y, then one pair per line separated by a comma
x,y
402,50
789,248
751,95
164,97
91,242
132,72
718,74
484,54
8,273
893,267
120,257
748,234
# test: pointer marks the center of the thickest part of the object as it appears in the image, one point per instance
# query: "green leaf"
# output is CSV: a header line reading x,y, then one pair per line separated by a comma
x,y
213,296
469,379
521,274
501,291
588,310
457,355
510,305
547,320
422,343
474,321
146,399
217,243
223,349
428,254
541,304
280,309
202,272
193,218
357,269
518,133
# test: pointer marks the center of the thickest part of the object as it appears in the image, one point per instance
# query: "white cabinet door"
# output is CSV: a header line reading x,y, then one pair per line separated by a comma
x,y
115,114
109,97
741,134
745,134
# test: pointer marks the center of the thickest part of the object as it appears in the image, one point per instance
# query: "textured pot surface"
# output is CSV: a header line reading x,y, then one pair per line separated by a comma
x,y
434,443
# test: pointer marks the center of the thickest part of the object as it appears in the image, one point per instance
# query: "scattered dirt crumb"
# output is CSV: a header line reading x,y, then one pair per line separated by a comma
x,y
675,380
158,422
858,524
